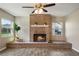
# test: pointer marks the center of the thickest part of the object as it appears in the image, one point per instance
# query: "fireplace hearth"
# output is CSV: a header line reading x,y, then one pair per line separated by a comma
x,y
39,38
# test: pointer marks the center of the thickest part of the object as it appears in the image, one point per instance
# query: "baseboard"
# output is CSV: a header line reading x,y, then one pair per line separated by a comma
x,y
75,49
2,48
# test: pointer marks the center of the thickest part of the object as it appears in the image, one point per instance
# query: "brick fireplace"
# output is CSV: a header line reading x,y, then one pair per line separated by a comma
x,y
40,27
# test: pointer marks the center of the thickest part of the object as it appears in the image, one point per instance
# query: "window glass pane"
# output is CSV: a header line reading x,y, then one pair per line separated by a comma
x,y
57,28
6,28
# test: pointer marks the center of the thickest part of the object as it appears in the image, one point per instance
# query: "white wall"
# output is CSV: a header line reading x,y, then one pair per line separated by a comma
x,y
23,22
72,29
6,15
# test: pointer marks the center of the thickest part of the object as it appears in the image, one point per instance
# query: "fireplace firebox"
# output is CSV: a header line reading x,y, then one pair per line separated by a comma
x,y
39,38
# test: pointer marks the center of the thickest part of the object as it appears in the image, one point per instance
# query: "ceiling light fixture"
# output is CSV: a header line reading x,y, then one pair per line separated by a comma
x,y
39,7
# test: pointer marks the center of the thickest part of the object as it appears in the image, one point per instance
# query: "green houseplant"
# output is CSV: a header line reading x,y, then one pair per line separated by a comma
x,y
16,29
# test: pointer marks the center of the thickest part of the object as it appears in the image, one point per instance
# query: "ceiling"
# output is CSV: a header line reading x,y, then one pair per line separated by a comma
x,y
60,9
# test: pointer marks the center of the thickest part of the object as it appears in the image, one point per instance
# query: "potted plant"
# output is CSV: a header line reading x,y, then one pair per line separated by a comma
x,y
16,29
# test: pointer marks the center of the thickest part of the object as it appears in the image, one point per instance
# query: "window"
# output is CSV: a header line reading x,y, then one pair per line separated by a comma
x,y
57,28
6,28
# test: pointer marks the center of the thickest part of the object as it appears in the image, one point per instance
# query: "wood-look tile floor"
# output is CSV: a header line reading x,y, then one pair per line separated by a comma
x,y
37,52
